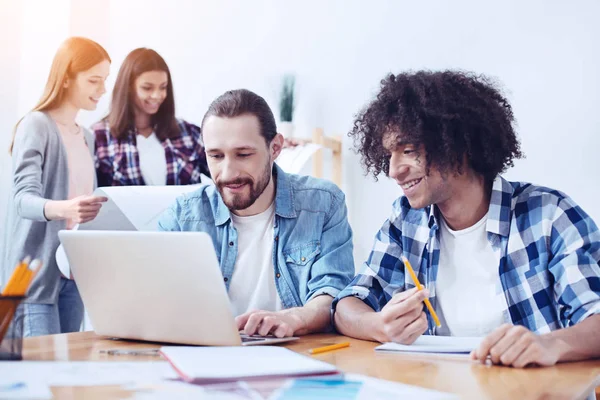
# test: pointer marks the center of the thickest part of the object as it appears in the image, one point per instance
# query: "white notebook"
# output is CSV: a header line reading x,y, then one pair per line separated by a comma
x,y
435,344
215,364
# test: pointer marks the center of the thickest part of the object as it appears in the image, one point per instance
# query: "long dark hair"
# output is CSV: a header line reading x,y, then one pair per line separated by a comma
x,y
121,115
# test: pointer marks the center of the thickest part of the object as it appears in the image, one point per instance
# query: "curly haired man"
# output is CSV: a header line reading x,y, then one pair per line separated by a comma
x,y
514,263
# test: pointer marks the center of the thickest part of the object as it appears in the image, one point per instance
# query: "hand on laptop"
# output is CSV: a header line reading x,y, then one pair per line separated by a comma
x,y
277,323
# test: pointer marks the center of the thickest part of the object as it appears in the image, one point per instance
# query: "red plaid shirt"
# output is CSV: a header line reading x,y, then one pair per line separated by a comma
x,y
118,161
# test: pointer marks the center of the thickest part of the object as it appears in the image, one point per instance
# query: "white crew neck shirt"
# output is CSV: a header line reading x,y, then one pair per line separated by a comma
x,y
468,290
252,285
153,161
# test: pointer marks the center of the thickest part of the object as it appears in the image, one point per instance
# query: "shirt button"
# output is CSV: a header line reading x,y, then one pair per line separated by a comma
x,y
278,275
231,244
303,259
225,279
276,238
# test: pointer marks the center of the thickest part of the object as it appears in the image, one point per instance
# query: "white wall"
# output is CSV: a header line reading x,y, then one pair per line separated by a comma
x,y
544,52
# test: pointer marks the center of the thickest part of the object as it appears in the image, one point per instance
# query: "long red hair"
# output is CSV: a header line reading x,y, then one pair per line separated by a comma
x,y
75,55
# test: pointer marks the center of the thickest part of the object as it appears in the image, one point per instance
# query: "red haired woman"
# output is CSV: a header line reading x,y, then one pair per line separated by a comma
x,y
53,182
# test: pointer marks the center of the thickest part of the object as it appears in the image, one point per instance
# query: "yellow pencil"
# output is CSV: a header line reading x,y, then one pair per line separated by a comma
x,y
420,287
329,348
12,287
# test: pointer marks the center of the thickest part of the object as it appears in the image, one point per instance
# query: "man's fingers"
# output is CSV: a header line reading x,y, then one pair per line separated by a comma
x,y
511,354
400,316
526,357
253,323
506,342
267,324
283,330
241,320
397,310
412,330
489,341
415,329
395,329
401,296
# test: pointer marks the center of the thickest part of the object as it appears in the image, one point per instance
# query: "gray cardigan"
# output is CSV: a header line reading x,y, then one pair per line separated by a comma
x,y
40,173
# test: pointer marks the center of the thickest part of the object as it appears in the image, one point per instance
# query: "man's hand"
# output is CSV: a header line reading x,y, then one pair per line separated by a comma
x,y
402,319
263,323
516,346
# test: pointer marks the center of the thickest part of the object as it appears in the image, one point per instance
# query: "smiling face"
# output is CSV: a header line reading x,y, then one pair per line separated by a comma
x,y
150,91
87,87
408,168
241,162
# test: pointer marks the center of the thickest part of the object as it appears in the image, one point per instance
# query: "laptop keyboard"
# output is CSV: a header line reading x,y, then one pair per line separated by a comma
x,y
248,339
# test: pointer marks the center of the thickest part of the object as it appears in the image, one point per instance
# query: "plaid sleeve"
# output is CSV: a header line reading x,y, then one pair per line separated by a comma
x,y
383,272
575,247
201,166
103,160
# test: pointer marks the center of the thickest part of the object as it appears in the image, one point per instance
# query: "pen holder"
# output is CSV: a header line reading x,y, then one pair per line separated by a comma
x,y
11,327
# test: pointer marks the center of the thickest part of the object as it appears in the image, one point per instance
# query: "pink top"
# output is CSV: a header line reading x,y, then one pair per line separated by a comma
x,y
81,167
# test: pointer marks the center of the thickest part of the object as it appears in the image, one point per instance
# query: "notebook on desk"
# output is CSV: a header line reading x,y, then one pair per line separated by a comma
x,y
435,344
219,364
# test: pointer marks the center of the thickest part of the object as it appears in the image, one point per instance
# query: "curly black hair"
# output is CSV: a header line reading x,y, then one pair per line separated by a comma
x,y
450,113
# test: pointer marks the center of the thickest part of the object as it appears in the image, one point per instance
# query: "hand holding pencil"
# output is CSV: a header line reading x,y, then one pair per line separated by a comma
x,y
403,320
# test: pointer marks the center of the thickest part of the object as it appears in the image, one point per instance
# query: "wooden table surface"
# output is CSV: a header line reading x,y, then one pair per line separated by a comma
x,y
454,374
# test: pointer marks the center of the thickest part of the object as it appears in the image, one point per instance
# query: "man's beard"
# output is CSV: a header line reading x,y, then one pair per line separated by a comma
x,y
240,201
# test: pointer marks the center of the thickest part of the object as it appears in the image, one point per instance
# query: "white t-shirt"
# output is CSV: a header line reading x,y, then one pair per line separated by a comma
x,y
470,299
252,284
153,161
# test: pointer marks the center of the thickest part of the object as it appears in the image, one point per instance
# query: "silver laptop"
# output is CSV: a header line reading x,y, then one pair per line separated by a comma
x,y
155,286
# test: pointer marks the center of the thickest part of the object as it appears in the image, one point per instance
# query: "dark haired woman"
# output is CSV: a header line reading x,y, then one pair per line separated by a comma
x,y
140,142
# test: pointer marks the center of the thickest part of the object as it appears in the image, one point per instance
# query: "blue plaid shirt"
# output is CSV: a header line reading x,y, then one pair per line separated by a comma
x,y
548,247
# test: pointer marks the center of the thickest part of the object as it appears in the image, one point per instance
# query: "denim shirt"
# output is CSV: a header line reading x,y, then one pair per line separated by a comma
x,y
312,240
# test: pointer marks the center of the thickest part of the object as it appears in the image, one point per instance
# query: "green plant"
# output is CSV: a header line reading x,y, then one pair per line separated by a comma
x,y
286,100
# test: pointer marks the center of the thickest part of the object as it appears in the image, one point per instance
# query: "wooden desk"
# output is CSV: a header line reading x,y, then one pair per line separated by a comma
x,y
452,374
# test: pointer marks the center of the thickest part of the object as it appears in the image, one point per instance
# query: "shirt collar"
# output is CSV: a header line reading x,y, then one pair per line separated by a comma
x,y
498,221
498,217
284,198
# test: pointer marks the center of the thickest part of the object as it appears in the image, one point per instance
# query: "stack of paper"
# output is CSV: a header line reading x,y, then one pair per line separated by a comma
x,y
216,364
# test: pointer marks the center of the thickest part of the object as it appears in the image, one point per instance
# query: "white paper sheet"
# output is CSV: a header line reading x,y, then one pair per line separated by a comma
x,y
134,207
129,208
435,344
85,373
233,363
